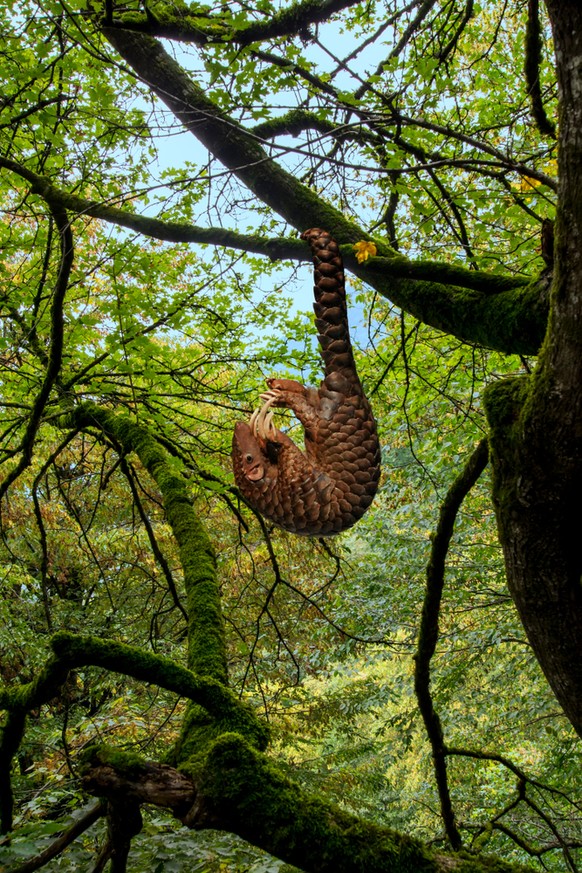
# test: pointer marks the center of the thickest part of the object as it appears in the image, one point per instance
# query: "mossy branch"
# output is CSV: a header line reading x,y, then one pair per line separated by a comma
x,y
496,311
206,644
387,266
519,319
224,711
72,651
200,28
236,788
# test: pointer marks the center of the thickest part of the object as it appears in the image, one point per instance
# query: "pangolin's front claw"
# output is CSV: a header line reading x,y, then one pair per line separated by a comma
x,y
267,426
261,421
269,396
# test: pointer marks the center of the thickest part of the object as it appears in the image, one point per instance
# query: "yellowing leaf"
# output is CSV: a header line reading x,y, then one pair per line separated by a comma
x,y
364,250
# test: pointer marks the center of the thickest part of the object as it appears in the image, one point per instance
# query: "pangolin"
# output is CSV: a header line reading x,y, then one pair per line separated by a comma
x,y
327,487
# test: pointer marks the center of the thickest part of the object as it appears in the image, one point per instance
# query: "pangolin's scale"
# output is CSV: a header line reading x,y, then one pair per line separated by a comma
x,y
328,487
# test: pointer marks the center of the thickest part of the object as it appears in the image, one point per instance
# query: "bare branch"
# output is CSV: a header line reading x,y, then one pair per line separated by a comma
x,y
429,628
60,217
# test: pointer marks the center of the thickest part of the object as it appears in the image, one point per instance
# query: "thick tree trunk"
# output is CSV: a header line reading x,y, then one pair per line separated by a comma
x,y
536,425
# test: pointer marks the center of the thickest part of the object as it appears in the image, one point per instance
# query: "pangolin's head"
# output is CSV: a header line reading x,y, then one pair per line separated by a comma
x,y
247,455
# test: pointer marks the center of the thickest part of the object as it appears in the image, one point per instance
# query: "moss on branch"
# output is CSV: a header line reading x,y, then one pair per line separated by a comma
x,y
241,791
511,321
213,710
227,711
235,788
207,654
193,24
511,324
120,776
72,651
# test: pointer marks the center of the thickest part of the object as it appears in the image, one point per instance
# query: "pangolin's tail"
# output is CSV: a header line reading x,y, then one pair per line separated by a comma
x,y
331,314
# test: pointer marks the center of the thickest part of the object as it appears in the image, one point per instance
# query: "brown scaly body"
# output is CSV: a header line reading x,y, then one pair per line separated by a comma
x,y
329,486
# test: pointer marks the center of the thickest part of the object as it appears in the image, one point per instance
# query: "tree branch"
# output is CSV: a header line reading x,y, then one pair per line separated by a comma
x,y
204,29
496,311
73,651
207,655
55,355
83,821
533,59
239,790
429,629
514,323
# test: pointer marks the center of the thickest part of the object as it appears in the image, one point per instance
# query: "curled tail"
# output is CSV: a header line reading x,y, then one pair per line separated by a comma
x,y
331,314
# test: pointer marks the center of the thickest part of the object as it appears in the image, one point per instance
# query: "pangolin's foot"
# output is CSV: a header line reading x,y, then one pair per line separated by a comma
x,y
261,421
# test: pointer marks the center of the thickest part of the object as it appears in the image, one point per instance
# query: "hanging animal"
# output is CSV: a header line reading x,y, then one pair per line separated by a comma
x,y
327,487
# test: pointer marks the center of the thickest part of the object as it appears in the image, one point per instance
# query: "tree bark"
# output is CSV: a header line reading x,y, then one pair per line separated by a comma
x,y
536,424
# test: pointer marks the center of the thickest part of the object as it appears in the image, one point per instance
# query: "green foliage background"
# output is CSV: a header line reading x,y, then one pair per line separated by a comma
x,y
321,637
